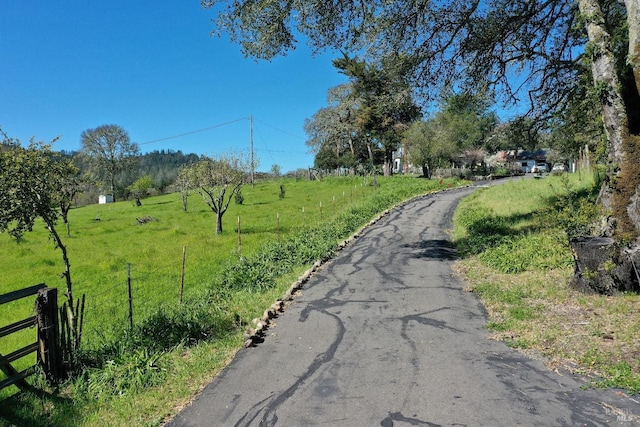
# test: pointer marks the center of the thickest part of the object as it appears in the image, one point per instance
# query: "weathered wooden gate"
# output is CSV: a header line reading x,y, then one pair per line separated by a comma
x,y
46,344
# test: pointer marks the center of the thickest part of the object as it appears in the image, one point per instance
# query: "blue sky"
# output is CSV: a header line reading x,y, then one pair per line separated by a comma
x,y
154,69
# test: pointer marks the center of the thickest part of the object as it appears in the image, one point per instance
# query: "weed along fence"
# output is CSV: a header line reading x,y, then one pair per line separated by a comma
x,y
178,258
45,344
138,288
153,281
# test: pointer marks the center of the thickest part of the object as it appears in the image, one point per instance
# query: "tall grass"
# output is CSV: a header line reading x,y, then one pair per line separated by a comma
x,y
226,285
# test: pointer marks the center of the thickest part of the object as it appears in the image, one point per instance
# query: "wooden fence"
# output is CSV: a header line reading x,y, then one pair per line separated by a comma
x,y
46,343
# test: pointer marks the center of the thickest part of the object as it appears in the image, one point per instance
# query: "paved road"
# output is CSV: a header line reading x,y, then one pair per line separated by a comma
x,y
384,335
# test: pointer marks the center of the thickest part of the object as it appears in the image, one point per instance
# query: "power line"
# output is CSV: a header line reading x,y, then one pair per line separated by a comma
x,y
194,131
279,130
229,123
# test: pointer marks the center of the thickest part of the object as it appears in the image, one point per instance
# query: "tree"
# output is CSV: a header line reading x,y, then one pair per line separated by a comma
x,y
276,170
218,180
34,183
140,188
461,126
524,48
365,116
333,132
184,184
425,147
580,124
110,152
72,185
385,101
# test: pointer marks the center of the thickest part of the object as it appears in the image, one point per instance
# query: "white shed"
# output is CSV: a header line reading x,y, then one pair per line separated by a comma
x,y
103,199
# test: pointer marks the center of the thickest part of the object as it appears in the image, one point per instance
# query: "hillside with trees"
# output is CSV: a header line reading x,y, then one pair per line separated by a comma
x,y
161,166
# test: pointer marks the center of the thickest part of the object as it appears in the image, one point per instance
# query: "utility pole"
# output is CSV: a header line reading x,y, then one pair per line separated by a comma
x,y
251,137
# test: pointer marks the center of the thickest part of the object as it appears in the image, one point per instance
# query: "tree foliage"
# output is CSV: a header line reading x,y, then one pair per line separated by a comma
x,y
530,51
140,188
385,105
426,148
218,180
366,116
163,165
333,134
109,151
463,123
502,42
34,184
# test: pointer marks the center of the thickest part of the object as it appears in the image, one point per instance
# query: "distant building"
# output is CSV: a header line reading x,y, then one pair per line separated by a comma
x,y
401,163
526,160
103,199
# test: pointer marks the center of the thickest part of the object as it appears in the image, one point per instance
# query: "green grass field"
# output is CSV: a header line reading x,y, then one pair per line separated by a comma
x,y
106,239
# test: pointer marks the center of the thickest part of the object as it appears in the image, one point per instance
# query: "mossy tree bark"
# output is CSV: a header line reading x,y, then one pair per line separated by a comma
x,y
620,192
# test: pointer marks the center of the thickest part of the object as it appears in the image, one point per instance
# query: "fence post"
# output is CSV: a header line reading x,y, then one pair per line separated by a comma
x,y
49,349
184,259
130,296
239,239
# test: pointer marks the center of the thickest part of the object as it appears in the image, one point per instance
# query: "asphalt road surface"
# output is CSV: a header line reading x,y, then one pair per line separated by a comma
x,y
385,335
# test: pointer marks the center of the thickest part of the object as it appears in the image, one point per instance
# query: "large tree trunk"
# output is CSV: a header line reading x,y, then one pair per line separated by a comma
x,y
633,23
620,192
605,77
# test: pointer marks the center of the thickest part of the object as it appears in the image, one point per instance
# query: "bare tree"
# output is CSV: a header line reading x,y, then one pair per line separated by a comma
x,y
218,180
110,152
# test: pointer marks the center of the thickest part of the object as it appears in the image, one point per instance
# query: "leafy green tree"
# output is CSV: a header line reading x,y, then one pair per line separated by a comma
x,y
326,159
73,185
580,123
110,152
461,126
499,139
34,183
471,111
218,180
163,165
276,170
426,148
525,133
385,102
140,188
325,137
334,135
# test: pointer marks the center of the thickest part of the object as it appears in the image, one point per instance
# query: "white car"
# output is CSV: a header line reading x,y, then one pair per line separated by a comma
x,y
539,167
559,167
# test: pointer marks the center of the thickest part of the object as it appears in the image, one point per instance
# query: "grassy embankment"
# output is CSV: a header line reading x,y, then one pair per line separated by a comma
x,y
140,376
516,257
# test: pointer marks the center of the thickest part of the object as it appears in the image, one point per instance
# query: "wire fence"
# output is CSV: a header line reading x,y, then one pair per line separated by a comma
x,y
135,290
127,301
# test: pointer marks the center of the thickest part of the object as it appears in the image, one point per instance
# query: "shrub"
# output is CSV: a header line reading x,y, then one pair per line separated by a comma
x,y
575,212
239,198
